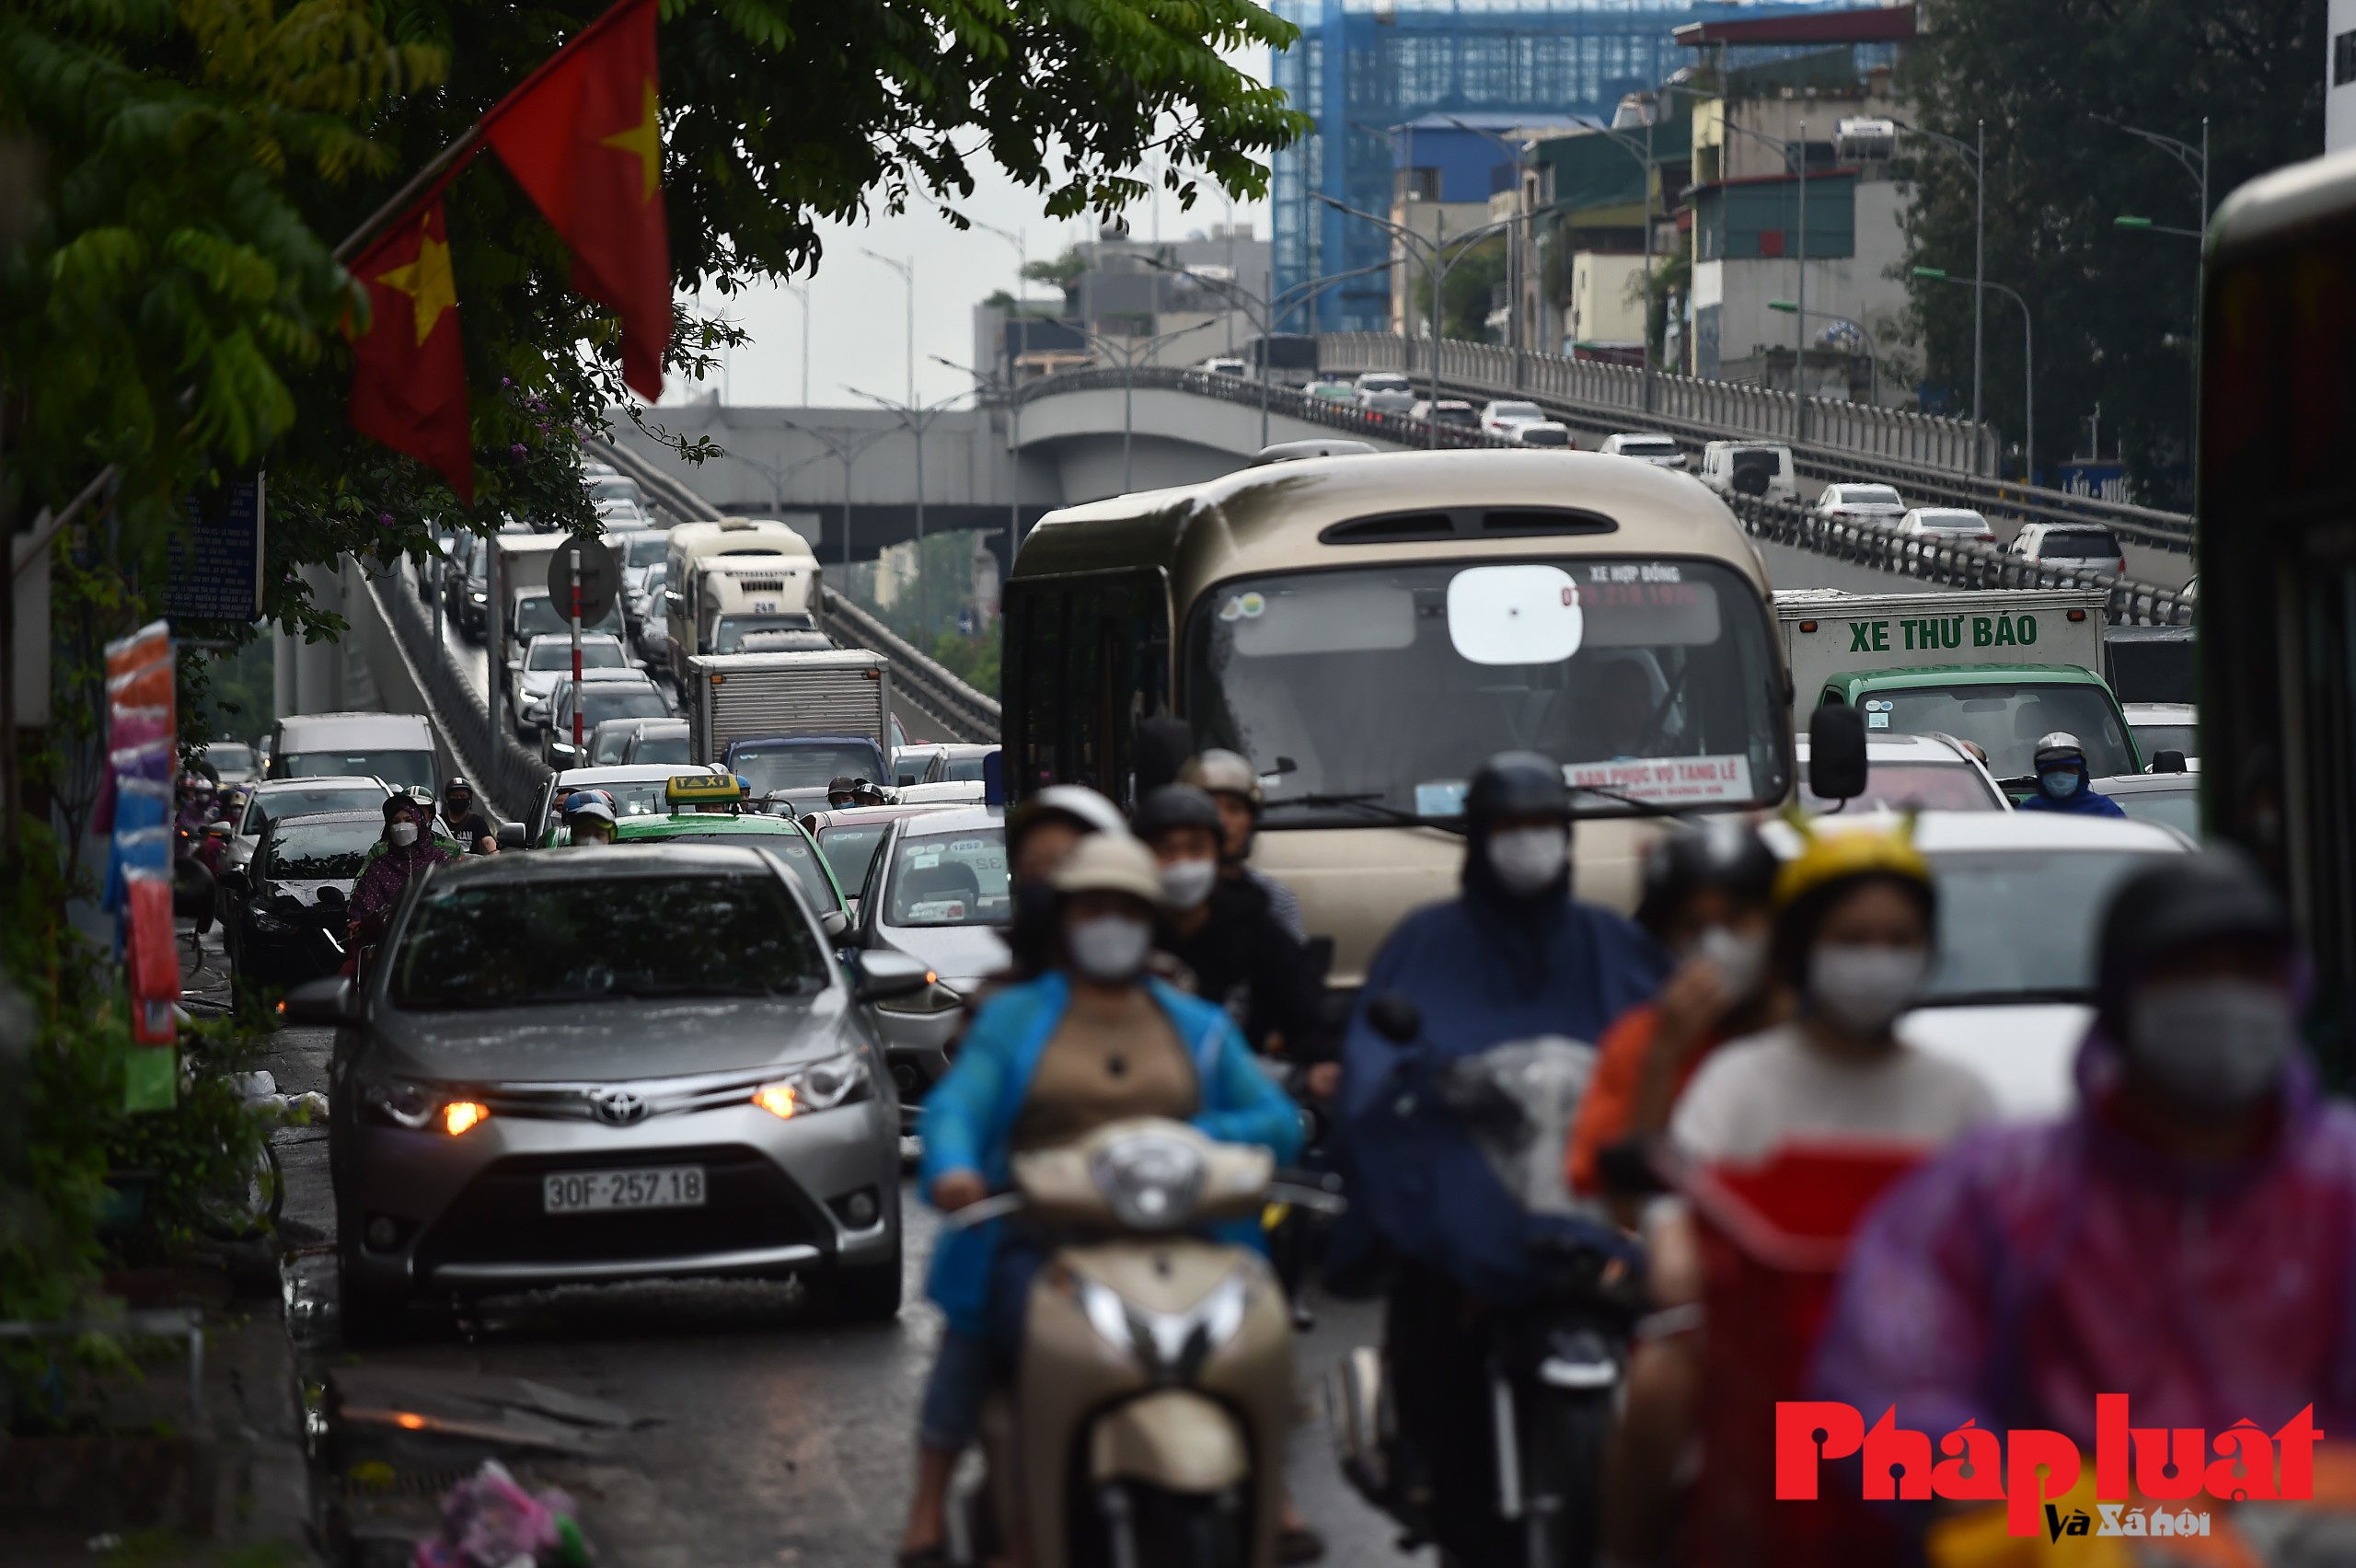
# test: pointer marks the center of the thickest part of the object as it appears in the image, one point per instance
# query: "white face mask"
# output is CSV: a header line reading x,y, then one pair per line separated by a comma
x,y
403,834
1109,949
1525,860
2213,1046
1187,883
1740,961
1862,988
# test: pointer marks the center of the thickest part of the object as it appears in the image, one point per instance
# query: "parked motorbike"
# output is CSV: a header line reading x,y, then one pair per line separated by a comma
x,y
1556,1360
1155,1387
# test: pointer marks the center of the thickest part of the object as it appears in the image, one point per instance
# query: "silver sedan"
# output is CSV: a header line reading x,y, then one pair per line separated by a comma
x,y
527,1093
936,893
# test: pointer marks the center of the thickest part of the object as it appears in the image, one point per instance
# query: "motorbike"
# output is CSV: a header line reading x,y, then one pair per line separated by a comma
x,y
1155,1381
1557,1358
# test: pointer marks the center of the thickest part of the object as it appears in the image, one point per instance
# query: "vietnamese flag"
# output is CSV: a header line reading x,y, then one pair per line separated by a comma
x,y
409,375
584,138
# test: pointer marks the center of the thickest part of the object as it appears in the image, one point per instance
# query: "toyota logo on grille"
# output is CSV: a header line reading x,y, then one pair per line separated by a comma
x,y
618,1106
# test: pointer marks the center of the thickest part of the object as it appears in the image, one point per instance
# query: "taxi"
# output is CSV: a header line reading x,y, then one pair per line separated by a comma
x,y
708,808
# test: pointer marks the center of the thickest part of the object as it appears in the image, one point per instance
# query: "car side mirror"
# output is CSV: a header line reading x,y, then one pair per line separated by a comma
x,y
834,922
217,830
323,1002
2167,762
1395,1017
1836,752
904,779
234,880
884,976
512,835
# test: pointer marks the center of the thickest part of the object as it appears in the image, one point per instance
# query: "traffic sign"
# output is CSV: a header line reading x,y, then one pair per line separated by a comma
x,y
601,579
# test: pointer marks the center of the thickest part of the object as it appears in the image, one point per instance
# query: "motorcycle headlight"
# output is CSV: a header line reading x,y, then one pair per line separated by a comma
x,y
1150,1181
817,1085
1172,1346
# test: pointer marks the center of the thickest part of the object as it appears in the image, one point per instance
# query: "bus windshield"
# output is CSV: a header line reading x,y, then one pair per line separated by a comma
x,y
1377,691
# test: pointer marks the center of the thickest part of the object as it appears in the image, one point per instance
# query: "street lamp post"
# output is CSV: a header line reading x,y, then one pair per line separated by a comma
x,y
1514,324
1021,279
907,270
801,293
1975,157
847,453
2196,162
1436,270
1873,354
1267,314
2028,364
1014,448
1129,353
916,418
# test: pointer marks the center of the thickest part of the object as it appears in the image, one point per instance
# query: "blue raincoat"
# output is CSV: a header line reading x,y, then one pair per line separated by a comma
x,y
969,1116
2083,803
1484,970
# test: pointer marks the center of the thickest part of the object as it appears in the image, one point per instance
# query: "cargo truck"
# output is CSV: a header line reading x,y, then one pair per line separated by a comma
x,y
1997,667
789,722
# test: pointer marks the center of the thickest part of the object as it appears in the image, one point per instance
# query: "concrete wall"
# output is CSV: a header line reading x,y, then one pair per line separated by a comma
x,y
1730,298
1607,302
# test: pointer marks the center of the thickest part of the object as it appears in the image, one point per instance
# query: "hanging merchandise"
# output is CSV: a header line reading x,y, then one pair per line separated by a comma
x,y
142,733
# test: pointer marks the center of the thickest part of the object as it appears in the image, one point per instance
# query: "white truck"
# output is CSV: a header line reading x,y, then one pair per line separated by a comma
x,y
1997,667
789,722
728,568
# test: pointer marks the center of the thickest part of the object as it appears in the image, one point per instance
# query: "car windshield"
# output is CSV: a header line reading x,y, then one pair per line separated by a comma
x,y
638,796
2153,739
1647,449
2178,809
949,879
614,487
1651,679
322,851
2081,544
1929,786
802,765
606,747
728,637
1952,522
1988,899
551,942
228,756
789,848
598,655
851,849
2153,671
661,748
2006,722
393,766
1515,411
964,769
268,806
620,700
1384,384
534,617
1456,413
1867,495
643,550
1545,435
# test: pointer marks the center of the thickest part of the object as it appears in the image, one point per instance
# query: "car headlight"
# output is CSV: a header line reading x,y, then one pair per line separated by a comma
x,y
265,924
479,598
817,1085
417,1107
1150,1180
1172,1345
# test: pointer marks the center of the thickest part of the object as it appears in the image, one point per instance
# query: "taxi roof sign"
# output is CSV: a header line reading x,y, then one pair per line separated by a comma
x,y
704,789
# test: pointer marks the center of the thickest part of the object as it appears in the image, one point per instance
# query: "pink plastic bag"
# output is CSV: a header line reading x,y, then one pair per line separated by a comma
x,y
490,1521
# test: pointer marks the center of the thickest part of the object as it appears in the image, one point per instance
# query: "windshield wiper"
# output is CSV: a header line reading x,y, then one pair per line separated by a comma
x,y
1642,808
2026,995
1372,801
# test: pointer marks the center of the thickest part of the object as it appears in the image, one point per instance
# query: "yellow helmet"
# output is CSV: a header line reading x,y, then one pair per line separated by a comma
x,y
1826,858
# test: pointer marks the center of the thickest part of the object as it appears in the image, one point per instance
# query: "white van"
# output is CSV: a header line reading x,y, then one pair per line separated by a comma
x,y
695,545
1749,468
395,747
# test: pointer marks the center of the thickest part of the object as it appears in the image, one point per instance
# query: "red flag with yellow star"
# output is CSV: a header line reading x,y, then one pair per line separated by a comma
x,y
409,377
585,139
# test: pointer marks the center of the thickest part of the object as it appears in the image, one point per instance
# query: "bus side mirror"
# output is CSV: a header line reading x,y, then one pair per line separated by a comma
x,y
1836,752
994,778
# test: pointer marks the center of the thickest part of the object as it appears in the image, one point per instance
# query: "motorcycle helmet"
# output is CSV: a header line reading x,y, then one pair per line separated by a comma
x,y
1723,855
2060,747
1221,772
2183,901
1079,803
1516,784
1831,862
1176,805
1105,862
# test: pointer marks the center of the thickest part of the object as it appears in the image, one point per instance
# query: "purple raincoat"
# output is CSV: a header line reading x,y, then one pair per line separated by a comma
x,y
2032,1268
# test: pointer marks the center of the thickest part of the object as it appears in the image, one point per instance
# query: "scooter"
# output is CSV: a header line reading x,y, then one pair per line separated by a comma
x,y
1146,1423
1555,1362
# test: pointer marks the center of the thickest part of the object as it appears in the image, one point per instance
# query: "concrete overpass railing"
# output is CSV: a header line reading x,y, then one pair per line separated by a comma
x,y
508,778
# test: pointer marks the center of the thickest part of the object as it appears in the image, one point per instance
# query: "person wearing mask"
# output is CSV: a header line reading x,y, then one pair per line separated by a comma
x,y
1514,958
1093,1039
2182,1236
842,792
1039,834
2062,782
1709,900
405,848
1227,779
1224,931
583,824
1856,918
466,824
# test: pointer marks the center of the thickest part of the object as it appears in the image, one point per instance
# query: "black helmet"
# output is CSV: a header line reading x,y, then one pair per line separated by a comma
x,y
1176,805
1516,784
2182,901
456,782
1724,854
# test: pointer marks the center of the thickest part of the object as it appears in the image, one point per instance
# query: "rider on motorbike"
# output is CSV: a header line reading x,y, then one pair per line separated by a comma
x,y
1515,958
405,848
589,816
1228,777
1093,1040
467,825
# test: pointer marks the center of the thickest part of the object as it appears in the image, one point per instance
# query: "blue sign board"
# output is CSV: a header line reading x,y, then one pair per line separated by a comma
x,y
216,563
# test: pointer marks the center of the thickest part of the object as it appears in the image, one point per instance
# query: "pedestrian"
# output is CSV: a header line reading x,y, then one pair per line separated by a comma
x,y
2062,782
1227,779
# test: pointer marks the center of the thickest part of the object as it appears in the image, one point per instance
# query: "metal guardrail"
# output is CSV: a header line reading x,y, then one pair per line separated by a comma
x,y
507,775
1951,565
932,689
1929,458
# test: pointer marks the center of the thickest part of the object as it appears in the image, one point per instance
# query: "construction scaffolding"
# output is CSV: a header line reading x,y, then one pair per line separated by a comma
x,y
1362,67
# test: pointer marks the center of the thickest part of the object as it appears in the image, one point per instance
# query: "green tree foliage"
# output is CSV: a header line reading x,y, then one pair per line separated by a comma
x,y
1464,295
2114,308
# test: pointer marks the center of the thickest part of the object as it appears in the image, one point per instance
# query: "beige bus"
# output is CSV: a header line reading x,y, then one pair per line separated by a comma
x,y
692,605
1369,630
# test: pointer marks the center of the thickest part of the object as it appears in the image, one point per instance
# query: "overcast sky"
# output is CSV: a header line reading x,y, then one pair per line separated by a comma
x,y
858,306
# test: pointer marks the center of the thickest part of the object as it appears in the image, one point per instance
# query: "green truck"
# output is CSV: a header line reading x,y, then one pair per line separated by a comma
x,y
1996,667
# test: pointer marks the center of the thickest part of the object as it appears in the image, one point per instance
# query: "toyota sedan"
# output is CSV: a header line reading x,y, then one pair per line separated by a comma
x,y
529,1093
